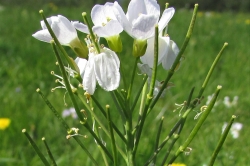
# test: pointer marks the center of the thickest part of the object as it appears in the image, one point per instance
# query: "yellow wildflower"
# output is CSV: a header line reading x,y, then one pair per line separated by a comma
x,y
247,21
177,164
4,123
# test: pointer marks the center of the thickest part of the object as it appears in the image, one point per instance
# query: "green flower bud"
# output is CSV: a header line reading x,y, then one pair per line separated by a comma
x,y
80,49
139,47
115,43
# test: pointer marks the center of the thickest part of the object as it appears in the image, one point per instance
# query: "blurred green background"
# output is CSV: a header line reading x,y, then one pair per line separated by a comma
x,y
26,63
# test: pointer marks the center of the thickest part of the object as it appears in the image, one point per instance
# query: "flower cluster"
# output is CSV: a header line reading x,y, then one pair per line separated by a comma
x,y
99,64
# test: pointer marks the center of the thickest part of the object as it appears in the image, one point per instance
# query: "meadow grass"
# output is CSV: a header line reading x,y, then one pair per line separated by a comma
x,y
25,65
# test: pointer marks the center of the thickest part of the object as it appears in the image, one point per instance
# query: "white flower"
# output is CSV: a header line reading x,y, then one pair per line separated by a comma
x,y
230,104
104,19
168,51
103,68
69,112
61,26
141,18
65,32
235,129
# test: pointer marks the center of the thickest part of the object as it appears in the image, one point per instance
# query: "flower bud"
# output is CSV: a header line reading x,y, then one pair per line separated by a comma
x,y
79,48
115,43
139,47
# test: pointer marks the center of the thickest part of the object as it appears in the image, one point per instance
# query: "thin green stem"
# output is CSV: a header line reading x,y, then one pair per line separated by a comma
x,y
118,107
123,74
65,125
93,38
178,58
158,139
38,152
176,127
221,141
86,125
96,131
151,90
105,115
49,152
143,99
197,126
103,155
139,92
114,151
130,142
81,97
131,82
204,85
66,81
69,60
175,138
116,95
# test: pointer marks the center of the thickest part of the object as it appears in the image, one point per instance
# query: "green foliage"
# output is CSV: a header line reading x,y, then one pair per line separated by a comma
x,y
25,65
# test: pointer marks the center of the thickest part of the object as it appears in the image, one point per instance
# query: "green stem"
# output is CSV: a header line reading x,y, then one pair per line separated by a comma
x,y
151,90
86,125
176,126
158,139
119,108
131,82
99,121
114,151
66,81
123,75
221,141
103,155
139,92
197,126
39,153
130,143
121,102
175,138
211,70
177,60
69,60
93,38
143,99
49,152
105,115
65,125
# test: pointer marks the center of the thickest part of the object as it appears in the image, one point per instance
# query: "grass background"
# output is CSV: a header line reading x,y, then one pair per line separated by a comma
x,y
25,65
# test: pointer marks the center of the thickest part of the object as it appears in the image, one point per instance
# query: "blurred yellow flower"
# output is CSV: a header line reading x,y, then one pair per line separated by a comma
x,y
177,164
4,123
247,21
200,14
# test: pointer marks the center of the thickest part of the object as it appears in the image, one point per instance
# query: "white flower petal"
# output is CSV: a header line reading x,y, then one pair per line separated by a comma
x,y
81,63
148,58
145,69
64,30
112,28
169,58
107,70
43,35
138,7
165,18
121,17
89,78
80,26
144,27
101,13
